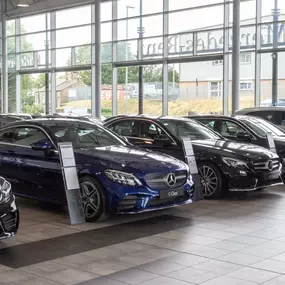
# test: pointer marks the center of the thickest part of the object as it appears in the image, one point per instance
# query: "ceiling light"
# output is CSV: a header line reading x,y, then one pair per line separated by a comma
x,y
23,3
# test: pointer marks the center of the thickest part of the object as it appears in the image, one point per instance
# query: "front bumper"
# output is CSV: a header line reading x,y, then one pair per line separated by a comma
x,y
134,200
249,180
9,219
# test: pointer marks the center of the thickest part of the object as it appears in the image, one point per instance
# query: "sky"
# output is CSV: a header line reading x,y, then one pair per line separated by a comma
x,y
178,22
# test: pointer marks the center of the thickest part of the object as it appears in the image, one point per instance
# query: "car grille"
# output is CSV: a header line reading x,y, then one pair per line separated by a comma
x,y
9,222
159,180
163,202
268,165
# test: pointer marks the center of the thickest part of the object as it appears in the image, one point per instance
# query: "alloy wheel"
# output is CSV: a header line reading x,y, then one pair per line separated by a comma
x,y
209,180
91,199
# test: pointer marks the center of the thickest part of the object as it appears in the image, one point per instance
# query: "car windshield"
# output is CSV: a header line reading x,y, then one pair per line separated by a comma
x,y
189,128
84,135
262,127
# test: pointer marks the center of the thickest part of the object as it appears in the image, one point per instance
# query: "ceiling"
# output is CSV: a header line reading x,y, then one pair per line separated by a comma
x,y
12,4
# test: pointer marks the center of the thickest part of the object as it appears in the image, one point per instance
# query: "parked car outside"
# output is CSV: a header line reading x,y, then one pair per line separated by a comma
x,y
268,102
247,129
222,165
275,115
113,176
9,213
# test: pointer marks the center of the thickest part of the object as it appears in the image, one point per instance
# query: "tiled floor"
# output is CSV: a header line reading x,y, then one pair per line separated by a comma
x,y
236,241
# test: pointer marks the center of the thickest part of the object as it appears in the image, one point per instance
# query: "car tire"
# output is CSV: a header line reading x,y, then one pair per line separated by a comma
x,y
211,180
93,197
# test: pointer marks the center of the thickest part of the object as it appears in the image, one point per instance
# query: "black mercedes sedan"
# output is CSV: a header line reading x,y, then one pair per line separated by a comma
x,y
223,165
9,214
246,129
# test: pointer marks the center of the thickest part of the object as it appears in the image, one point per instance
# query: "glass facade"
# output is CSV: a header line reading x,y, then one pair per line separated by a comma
x,y
181,49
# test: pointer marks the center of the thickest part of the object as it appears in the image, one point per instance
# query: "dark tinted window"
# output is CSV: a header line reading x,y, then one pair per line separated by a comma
x,y
150,130
189,128
210,123
125,128
28,136
271,116
6,136
84,135
231,129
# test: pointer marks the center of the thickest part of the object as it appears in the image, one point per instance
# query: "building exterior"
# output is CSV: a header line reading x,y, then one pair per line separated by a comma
x,y
189,40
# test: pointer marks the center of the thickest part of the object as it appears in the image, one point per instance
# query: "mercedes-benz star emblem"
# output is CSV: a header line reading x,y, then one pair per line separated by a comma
x,y
171,180
270,165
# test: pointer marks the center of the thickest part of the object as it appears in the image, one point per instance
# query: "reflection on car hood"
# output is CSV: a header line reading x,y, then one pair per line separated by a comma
x,y
234,149
145,161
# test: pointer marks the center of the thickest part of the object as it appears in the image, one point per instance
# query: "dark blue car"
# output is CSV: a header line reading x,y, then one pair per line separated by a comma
x,y
113,175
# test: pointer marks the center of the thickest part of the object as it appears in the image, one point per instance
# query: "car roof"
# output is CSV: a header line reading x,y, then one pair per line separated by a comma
x,y
256,109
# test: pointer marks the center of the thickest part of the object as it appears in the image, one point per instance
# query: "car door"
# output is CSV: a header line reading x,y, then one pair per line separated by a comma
x,y
38,174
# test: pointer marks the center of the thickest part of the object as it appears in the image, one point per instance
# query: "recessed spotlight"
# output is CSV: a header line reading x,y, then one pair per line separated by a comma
x,y
23,3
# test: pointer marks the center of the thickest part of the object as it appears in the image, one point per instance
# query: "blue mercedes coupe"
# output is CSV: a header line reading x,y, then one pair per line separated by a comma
x,y
113,175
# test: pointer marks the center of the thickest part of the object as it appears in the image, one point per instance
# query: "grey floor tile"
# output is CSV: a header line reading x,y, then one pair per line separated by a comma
x,y
228,245
14,276
186,259
276,281
220,234
248,240
206,251
271,265
279,257
71,276
165,281
254,275
133,276
102,281
161,267
193,275
242,259
219,267
226,280
39,281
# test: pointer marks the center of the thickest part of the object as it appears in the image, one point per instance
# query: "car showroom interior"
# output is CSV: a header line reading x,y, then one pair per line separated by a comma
x,y
142,142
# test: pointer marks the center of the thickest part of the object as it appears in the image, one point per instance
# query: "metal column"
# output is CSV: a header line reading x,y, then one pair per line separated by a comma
x,y
165,55
114,59
97,59
257,55
236,56
226,60
18,67
140,55
4,77
275,54
53,62
47,101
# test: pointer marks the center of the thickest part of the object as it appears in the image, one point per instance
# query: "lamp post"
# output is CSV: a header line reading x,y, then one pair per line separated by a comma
x,y
127,57
275,13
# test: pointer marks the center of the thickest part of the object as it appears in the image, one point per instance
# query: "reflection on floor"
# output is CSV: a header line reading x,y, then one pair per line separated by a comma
x,y
236,241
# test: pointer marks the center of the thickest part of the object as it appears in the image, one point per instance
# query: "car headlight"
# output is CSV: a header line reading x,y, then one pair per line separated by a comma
x,y
123,177
235,163
5,190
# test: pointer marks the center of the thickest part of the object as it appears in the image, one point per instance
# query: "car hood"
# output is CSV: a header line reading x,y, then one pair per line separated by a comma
x,y
132,159
248,152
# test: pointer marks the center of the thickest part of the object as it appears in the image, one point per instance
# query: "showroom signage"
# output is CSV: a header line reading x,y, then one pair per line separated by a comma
x,y
71,183
209,41
271,142
191,160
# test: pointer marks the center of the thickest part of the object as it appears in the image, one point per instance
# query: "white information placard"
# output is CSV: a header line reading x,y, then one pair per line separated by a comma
x,y
71,183
271,142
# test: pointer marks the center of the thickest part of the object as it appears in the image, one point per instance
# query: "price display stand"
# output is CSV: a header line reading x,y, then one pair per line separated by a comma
x,y
71,183
191,160
271,142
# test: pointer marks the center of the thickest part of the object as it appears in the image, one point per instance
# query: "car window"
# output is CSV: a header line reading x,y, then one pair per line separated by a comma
x,y
6,136
208,123
189,128
273,117
125,128
84,135
149,130
28,136
231,129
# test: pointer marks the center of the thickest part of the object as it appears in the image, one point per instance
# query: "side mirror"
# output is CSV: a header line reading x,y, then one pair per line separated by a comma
x,y
243,135
162,140
42,146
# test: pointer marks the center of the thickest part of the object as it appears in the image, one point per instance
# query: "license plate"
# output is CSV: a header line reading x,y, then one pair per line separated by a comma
x,y
272,176
174,193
